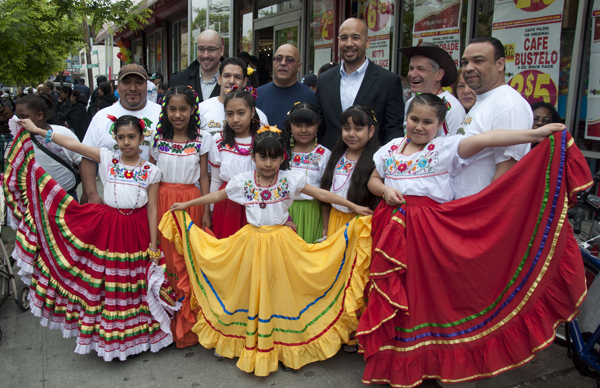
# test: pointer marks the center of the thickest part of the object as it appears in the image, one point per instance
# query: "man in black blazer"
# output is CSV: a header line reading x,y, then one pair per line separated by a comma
x,y
202,74
358,81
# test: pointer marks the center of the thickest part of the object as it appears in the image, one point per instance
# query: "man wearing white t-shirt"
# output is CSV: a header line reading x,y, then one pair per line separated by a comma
x,y
431,68
233,71
132,90
498,106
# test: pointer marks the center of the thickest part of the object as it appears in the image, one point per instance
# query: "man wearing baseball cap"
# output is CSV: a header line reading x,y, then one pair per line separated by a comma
x,y
132,90
431,69
156,78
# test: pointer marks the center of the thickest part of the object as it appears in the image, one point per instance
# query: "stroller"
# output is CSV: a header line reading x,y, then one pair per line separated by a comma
x,y
8,285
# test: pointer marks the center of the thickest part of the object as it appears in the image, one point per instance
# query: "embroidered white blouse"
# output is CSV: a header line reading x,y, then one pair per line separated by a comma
x,y
231,161
312,164
427,172
342,173
275,199
180,162
125,182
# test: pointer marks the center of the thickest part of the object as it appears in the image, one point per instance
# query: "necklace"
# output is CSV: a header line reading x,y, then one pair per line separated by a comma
x,y
241,151
137,198
265,194
335,190
406,143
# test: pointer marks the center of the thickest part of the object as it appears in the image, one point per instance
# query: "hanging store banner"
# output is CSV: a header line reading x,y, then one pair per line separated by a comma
x,y
379,16
438,22
530,32
324,33
592,125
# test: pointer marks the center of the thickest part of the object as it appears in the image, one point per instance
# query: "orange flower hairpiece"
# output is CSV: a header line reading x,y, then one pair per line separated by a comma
x,y
269,128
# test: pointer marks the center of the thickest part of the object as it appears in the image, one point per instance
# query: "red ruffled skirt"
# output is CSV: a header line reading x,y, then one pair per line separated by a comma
x,y
87,265
185,318
228,217
471,288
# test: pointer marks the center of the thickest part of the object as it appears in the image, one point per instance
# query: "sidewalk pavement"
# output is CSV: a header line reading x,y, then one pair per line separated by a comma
x,y
34,356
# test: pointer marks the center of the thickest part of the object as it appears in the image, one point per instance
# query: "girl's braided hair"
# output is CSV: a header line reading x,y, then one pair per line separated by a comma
x,y
164,128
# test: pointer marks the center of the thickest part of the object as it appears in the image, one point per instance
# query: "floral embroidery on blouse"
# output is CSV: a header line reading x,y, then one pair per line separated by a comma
x,y
420,163
171,148
271,194
344,166
245,148
118,173
301,159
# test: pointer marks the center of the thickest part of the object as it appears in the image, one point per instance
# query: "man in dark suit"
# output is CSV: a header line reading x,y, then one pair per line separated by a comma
x,y
202,74
358,81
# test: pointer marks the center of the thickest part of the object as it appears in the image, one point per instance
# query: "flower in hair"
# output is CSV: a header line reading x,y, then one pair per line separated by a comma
x,y
232,89
112,126
111,118
447,103
268,128
252,91
143,124
250,70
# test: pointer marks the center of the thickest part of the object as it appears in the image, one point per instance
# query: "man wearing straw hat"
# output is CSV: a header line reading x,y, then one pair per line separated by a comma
x,y
432,68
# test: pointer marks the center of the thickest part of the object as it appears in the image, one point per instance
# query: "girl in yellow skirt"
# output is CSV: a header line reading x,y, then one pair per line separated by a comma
x,y
350,165
264,294
180,150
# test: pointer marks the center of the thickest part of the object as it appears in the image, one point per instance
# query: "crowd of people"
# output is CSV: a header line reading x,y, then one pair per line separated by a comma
x,y
277,221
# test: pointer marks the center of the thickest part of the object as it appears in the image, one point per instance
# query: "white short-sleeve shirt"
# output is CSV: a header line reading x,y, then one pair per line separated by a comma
x,y
342,174
63,176
129,184
212,114
312,164
454,116
427,172
180,162
231,160
500,108
266,205
99,132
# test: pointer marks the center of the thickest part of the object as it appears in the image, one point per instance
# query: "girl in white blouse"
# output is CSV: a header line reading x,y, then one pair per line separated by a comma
x,y
180,150
309,158
103,253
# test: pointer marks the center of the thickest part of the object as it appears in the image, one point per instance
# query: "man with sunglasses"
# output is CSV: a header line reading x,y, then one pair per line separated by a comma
x,y
202,74
276,98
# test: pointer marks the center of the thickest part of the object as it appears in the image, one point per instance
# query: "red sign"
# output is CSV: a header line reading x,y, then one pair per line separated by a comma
x,y
535,86
532,5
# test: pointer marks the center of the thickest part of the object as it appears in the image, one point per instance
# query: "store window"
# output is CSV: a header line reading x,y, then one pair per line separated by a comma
x,y
136,51
321,34
180,45
244,38
155,52
379,16
209,14
272,7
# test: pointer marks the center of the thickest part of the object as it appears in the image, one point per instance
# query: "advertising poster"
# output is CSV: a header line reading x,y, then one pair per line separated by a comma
x,y
530,32
324,33
379,16
592,125
438,22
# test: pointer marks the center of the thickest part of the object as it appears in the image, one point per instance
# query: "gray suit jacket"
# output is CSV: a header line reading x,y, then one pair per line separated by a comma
x,y
381,90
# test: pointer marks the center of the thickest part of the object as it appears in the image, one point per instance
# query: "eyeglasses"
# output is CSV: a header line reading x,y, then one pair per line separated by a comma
x,y
211,50
281,58
544,120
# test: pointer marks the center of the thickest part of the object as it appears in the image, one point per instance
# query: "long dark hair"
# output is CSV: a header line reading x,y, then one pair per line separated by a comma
x,y
129,120
357,191
228,133
272,145
164,126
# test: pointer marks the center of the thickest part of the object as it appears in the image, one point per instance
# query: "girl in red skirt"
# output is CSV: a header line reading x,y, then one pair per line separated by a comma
x,y
88,265
180,150
463,290
231,155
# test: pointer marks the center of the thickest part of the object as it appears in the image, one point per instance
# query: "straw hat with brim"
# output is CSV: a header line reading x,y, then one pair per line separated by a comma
x,y
439,55
133,68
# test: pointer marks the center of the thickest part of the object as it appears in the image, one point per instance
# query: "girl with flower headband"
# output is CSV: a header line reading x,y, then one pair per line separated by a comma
x,y
93,268
469,288
180,150
231,155
309,158
264,294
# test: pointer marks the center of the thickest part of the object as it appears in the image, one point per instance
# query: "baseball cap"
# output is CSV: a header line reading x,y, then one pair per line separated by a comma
x,y
132,68
156,75
309,79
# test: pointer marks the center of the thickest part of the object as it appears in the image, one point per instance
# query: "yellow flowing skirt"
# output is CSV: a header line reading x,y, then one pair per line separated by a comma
x,y
265,295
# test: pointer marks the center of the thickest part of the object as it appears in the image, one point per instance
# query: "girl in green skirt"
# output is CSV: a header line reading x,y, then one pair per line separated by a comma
x,y
308,156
